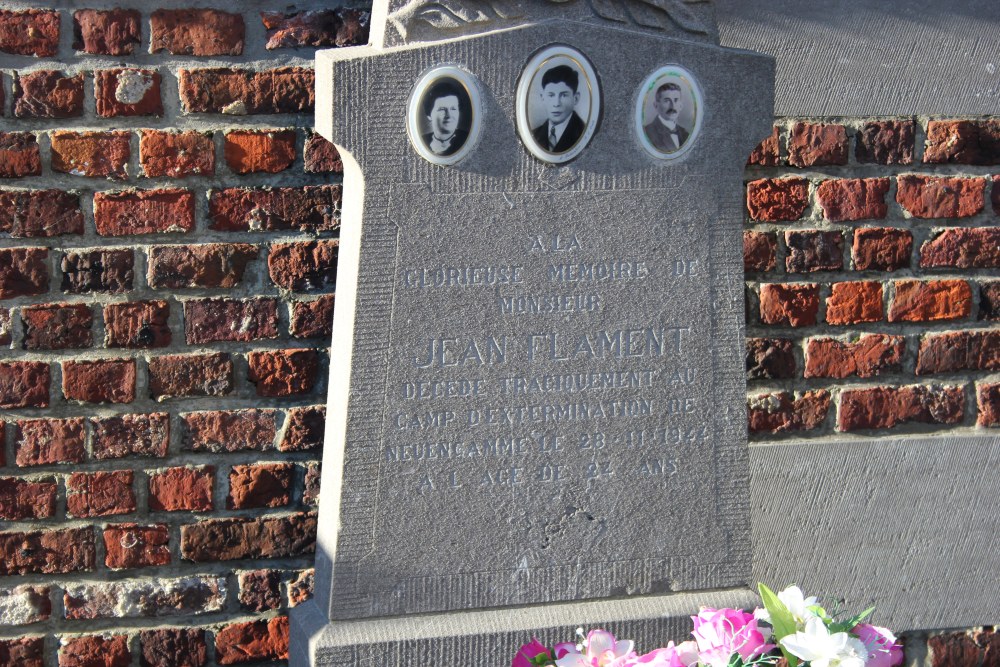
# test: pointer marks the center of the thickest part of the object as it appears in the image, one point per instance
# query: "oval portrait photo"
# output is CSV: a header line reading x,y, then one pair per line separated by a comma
x,y
444,115
558,104
669,112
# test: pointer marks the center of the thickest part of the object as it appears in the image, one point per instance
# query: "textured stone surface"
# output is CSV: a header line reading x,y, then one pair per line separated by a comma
x,y
768,152
25,604
145,598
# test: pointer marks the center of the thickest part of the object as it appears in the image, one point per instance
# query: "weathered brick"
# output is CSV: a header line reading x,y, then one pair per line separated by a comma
x,y
310,485
131,435
989,300
955,649
770,359
48,94
869,356
145,598
784,412
777,199
308,208
962,248
196,32
143,211
268,151
283,372
854,302
304,429
313,319
242,91
86,271
230,431
175,376
110,32
940,197
19,152
57,326
24,384
767,152
260,590
44,441
959,351
95,154
182,489
43,213
214,320
325,27
23,652
103,493
303,267
886,407
300,589
23,272
260,485
173,647
812,250
930,300
848,199
816,144
127,92
759,251
962,142
881,249
995,194
29,32
252,641
95,651
886,142
321,156
100,381
137,324
5,327
22,499
209,265
176,154
988,404
262,537
24,605
794,305
47,551
128,545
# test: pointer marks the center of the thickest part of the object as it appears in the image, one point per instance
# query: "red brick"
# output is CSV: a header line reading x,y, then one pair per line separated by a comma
x,y
304,267
886,407
143,211
886,142
784,412
144,597
962,142
102,381
777,199
849,199
869,356
767,152
214,320
87,271
283,372
103,493
770,359
112,32
97,154
182,489
237,539
260,485
30,32
48,94
30,213
137,324
327,27
19,152
190,375
989,300
22,499
131,435
230,431
308,208
127,92
962,248
173,647
5,332
816,144
210,265
44,441
300,589
260,590
23,652
24,384
304,429
854,302
321,156
812,250
196,32
310,485
931,300
252,641
58,326
242,91
988,404
23,272
955,649
176,154
268,151
759,251
47,552
313,319
128,545
881,249
789,304
95,651
26,604
940,197
959,351
995,195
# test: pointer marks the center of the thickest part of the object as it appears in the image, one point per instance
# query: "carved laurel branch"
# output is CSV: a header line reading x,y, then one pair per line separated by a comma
x,y
456,14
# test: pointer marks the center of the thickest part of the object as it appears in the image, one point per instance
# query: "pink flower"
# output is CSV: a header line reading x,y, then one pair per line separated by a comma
x,y
883,650
601,650
527,652
722,632
682,655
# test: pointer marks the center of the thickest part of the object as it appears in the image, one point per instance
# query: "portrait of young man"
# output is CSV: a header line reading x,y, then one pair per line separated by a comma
x,y
664,132
560,95
446,107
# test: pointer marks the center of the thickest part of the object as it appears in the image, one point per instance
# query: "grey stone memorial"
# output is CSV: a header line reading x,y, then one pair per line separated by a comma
x,y
540,314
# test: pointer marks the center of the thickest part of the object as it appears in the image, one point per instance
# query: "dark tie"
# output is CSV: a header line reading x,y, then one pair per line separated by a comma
x,y
552,137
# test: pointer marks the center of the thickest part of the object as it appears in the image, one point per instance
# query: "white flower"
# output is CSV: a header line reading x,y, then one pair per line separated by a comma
x,y
798,605
821,649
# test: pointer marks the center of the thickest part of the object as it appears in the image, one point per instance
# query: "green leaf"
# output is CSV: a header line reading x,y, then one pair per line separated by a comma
x,y
848,625
782,622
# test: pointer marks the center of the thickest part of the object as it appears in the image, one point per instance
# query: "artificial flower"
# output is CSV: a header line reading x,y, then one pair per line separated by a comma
x,y
722,632
802,608
681,655
529,651
600,649
820,648
883,650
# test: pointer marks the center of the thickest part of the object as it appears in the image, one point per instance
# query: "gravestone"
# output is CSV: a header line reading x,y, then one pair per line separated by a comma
x,y
536,420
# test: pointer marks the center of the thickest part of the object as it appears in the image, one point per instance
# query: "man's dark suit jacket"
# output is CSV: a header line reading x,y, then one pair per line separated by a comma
x,y
659,136
571,135
457,141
